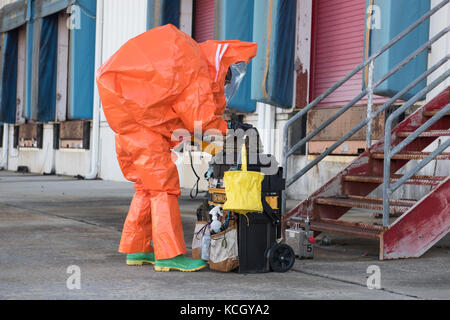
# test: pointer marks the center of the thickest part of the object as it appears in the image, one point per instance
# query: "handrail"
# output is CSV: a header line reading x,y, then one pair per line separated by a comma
x,y
365,121
288,152
389,188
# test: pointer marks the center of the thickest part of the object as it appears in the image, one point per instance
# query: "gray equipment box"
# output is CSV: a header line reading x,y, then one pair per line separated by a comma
x,y
293,239
298,239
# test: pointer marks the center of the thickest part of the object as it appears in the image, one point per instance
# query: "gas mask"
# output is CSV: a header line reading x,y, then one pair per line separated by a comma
x,y
234,78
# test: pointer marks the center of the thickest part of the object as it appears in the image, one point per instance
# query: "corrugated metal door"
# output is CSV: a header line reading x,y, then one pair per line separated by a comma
x,y
204,20
338,47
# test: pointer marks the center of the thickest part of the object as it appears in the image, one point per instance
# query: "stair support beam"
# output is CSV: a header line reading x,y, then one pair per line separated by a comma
x,y
423,226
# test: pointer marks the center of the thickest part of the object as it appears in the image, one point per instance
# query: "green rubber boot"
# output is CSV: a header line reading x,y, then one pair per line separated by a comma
x,y
138,259
180,263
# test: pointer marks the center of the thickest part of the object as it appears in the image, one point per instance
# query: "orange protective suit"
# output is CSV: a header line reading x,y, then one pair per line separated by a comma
x,y
156,83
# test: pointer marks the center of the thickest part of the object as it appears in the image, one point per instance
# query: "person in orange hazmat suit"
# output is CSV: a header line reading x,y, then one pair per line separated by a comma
x,y
158,82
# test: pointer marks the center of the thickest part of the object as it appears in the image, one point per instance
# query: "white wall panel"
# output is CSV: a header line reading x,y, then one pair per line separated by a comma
x,y
123,20
440,48
186,16
72,162
109,166
37,160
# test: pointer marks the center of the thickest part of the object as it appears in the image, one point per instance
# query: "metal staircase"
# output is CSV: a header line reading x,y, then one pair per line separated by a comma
x,y
409,228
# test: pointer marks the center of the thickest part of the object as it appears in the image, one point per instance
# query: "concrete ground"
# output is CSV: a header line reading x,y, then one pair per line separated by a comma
x,y
48,223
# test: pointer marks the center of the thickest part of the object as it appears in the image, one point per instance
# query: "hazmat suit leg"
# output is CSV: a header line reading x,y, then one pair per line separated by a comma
x,y
137,230
154,212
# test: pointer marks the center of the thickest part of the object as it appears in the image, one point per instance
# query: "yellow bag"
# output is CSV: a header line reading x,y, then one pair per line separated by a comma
x,y
243,188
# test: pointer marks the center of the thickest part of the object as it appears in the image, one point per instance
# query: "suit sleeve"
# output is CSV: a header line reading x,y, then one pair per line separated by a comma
x,y
196,104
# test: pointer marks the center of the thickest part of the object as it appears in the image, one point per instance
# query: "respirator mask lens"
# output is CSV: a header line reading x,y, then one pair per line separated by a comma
x,y
233,80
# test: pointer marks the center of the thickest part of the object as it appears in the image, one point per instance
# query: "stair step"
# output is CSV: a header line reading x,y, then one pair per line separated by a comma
x,y
415,180
427,134
348,228
433,112
413,155
376,204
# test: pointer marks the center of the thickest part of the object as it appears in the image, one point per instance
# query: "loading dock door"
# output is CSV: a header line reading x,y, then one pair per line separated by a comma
x,y
8,98
48,51
204,20
338,47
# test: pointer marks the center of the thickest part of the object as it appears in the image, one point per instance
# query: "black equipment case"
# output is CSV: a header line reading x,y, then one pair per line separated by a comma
x,y
258,233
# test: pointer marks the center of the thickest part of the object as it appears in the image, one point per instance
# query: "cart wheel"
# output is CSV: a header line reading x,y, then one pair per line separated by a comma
x,y
281,257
